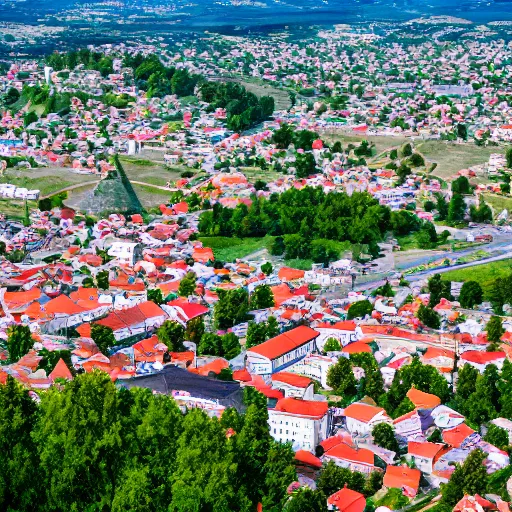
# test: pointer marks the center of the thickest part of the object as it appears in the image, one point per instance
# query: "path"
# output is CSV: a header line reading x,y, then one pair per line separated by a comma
x,y
80,185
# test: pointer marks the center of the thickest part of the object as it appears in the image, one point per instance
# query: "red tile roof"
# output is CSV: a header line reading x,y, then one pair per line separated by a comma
x,y
400,476
292,379
297,407
423,400
285,342
190,309
456,435
362,412
427,450
345,452
478,357
308,458
346,500
61,371
356,348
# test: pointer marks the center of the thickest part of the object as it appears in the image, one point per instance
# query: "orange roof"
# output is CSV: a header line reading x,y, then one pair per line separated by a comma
x,y
358,455
215,366
401,476
292,379
348,325
285,342
16,300
427,450
478,357
281,293
356,348
61,371
308,458
363,412
297,407
30,360
456,436
290,274
203,254
242,375
423,400
346,500
434,352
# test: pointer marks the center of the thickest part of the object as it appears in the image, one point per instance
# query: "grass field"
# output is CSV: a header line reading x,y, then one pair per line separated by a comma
x,y
255,173
483,274
15,209
381,143
150,170
229,249
451,158
498,203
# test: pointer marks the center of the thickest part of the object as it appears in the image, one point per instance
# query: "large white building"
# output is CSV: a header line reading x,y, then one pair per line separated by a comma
x,y
361,418
304,423
282,351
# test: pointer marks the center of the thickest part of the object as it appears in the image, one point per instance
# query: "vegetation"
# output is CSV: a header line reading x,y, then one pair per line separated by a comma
x,y
138,452
19,341
359,309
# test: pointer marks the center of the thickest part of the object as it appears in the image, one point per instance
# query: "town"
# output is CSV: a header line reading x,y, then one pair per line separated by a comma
x,y
244,273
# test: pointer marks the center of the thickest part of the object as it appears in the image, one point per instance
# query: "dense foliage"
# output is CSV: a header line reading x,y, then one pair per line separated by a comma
x,y
91,446
306,222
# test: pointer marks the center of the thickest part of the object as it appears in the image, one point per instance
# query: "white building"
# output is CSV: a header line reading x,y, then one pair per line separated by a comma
x,y
126,253
344,332
303,423
361,418
315,367
282,351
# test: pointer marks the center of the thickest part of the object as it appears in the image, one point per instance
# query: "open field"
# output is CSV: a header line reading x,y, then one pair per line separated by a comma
x,y
483,274
149,170
451,158
255,173
498,202
46,179
229,249
381,143
14,208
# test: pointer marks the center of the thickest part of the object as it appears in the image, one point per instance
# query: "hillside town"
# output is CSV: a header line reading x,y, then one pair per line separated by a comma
x,y
301,284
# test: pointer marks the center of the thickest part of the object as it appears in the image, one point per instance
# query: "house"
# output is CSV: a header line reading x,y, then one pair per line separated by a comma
x,y
461,436
149,350
61,371
480,359
344,332
126,253
346,500
355,459
315,367
361,418
404,478
126,323
304,423
282,351
424,455
422,400
408,425
293,385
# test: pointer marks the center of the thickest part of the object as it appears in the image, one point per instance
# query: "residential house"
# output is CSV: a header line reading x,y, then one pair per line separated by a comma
x,y
361,418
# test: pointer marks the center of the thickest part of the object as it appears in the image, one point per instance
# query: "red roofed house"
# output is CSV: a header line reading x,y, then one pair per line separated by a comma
x,y
344,332
301,422
480,359
403,477
346,500
355,459
183,311
460,436
293,385
61,371
125,323
422,400
149,350
361,418
425,455
282,351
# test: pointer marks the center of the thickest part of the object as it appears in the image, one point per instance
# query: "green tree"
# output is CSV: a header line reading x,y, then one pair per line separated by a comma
x,y
497,436
305,165
428,317
333,478
210,344
261,297
230,345
340,377
441,207
279,471
172,334
187,285
102,280
231,308
471,294
267,268
20,474
305,499
195,329
19,341
283,136
468,478
384,436
466,385
508,155
256,334
134,492
155,295
332,345
456,208
438,290
495,330
103,336
359,309
461,185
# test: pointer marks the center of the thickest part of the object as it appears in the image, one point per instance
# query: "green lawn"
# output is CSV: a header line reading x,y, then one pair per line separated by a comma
x,y
299,264
451,158
498,203
229,249
15,209
483,274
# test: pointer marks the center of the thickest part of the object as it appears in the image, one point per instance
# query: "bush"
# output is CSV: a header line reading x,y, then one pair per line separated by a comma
x,y
359,309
